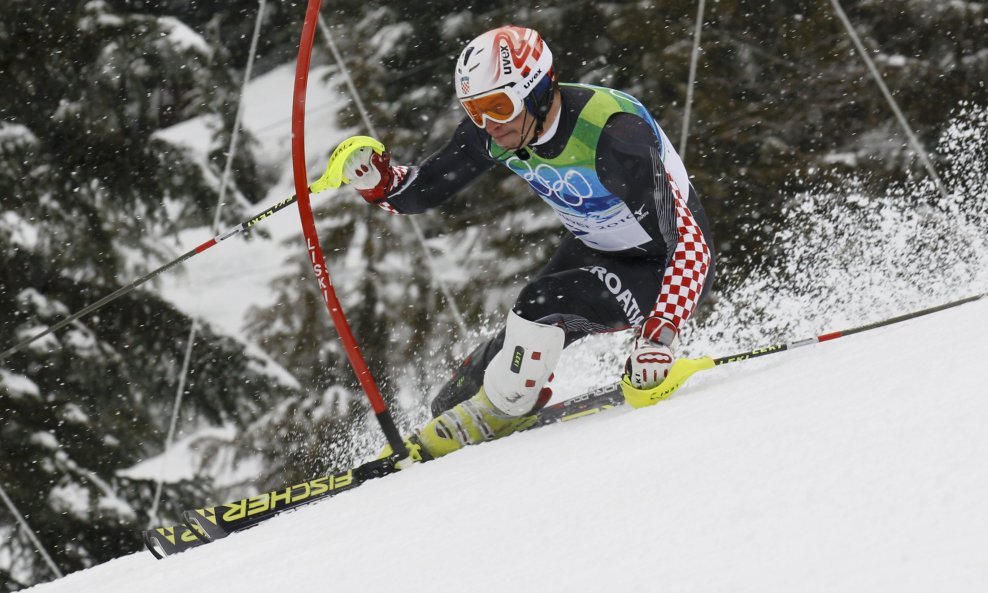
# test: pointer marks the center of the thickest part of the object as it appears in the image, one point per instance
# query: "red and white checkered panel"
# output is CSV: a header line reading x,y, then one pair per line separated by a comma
x,y
683,280
398,175
387,207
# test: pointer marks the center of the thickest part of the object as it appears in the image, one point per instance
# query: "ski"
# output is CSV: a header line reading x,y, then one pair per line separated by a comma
x,y
209,524
591,402
166,541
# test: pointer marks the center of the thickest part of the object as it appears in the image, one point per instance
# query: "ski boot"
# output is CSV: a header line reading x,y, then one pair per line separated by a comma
x,y
515,379
471,422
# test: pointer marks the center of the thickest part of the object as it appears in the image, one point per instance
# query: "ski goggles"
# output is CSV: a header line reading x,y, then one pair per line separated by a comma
x,y
500,106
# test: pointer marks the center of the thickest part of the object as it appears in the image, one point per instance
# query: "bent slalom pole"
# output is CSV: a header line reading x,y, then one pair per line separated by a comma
x,y
316,256
324,182
684,368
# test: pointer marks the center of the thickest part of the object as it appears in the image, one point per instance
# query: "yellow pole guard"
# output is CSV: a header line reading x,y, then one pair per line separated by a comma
x,y
333,177
681,370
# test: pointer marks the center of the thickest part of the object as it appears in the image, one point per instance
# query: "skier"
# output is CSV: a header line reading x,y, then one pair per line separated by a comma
x,y
638,250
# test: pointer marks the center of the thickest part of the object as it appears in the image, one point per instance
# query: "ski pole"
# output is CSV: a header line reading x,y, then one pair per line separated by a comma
x,y
320,185
316,256
684,368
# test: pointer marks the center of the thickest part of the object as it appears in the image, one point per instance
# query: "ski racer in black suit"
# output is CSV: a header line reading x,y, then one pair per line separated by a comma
x,y
639,250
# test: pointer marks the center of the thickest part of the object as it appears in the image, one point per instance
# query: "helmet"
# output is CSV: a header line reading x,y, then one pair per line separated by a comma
x,y
502,72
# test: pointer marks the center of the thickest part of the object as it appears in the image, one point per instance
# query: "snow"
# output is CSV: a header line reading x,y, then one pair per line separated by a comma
x,y
70,498
183,37
32,300
82,343
12,133
262,363
853,465
68,495
388,39
895,61
18,385
72,413
193,456
20,232
845,158
44,439
48,343
213,285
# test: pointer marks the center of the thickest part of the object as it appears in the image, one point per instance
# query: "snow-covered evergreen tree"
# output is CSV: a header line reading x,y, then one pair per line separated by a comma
x,y
90,196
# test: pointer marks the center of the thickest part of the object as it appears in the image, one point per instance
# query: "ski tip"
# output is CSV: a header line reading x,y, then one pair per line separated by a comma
x,y
204,522
153,545
167,541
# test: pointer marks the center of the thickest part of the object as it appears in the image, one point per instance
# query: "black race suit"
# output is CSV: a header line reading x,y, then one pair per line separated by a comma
x,y
582,289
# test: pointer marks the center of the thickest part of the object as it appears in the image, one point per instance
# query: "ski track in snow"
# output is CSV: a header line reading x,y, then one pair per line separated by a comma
x,y
854,465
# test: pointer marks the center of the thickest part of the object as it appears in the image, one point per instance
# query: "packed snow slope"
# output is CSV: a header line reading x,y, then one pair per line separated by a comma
x,y
854,465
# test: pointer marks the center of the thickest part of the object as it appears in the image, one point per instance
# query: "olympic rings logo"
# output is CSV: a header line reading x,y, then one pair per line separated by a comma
x,y
549,182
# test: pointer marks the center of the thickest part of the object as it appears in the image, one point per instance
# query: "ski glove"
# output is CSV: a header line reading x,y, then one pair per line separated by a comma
x,y
654,353
372,175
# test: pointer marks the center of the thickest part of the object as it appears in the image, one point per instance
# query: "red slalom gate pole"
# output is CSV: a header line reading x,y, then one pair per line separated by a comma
x,y
315,252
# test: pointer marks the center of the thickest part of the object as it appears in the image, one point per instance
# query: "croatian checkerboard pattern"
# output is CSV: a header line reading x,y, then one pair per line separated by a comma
x,y
684,277
398,175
